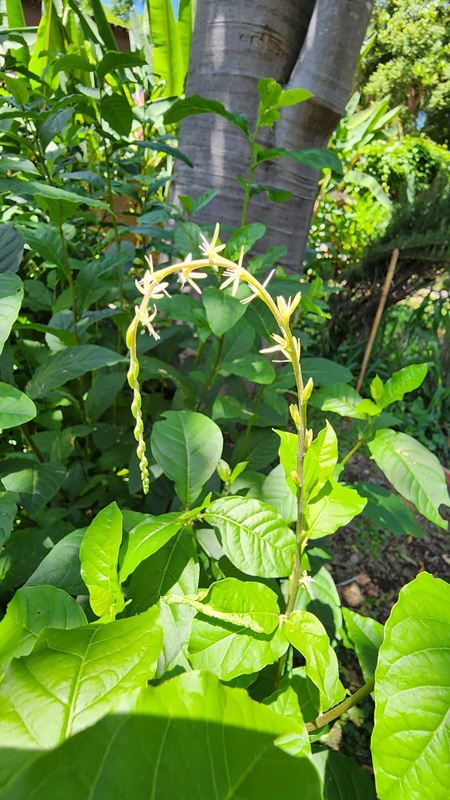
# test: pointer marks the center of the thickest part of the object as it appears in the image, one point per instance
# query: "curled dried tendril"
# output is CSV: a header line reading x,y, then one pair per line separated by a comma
x,y
154,285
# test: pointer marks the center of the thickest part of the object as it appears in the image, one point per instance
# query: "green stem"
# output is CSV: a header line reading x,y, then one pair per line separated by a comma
x,y
363,438
199,353
28,438
349,702
249,182
114,223
212,375
70,280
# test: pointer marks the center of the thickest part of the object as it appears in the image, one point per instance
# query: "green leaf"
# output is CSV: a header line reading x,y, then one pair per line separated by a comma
x,y
371,184
103,394
69,364
226,407
412,695
334,506
42,189
236,733
340,398
314,157
254,536
49,39
243,238
201,105
116,110
322,599
70,63
15,14
187,446
35,483
162,147
15,407
99,554
276,493
11,248
413,471
324,372
54,124
145,539
376,389
253,366
103,25
32,609
168,61
114,61
11,296
44,241
307,634
320,461
388,510
229,650
246,604
401,382
222,310
8,511
171,570
74,677
340,773
366,635
61,566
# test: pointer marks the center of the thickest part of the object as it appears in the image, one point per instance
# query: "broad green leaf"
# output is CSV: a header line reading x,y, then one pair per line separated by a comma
x,y
324,372
226,407
307,693
49,39
190,106
103,25
335,505
276,493
243,238
307,634
11,248
163,147
340,398
259,449
288,456
15,407
413,471
254,536
168,62
185,24
15,14
11,296
187,446
35,483
236,733
275,195
253,366
376,389
103,394
55,123
145,539
171,570
246,604
222,310
8,511
320,460
42,189
114,61
341,774
366,635
388,510
312,157
412,695
371,184
116,110
229,650
99,554
322,599
32,609
44,241
72,62
74,677
401,382
69,364
61,566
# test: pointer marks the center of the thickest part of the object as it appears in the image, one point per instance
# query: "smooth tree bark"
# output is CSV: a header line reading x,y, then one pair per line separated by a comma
x,y
307,44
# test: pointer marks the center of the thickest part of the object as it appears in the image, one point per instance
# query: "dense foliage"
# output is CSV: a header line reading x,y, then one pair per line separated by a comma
x,y
170,626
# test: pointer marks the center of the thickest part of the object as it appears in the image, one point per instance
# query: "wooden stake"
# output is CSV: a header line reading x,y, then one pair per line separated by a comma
x,y
376,322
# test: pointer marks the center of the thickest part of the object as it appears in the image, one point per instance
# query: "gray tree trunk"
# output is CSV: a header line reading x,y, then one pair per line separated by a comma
x,y
308,44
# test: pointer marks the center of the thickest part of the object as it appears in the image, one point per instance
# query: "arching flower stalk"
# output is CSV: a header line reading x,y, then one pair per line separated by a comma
x,y
154,286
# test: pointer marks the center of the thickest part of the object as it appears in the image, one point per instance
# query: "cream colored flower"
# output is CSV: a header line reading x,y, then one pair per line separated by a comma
x,y
233,275
209,249
282,345
256,291
286,308
146,319
189,275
